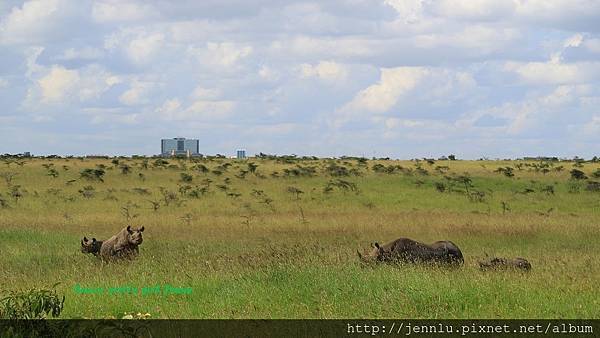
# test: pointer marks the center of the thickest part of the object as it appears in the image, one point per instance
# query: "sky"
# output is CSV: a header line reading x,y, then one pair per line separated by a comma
x,y
375,78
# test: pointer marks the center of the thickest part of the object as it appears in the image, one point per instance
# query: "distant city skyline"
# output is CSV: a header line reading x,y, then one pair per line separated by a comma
x,y
374,78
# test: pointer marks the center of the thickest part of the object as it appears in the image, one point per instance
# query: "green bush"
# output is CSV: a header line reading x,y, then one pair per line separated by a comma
x,y
31,304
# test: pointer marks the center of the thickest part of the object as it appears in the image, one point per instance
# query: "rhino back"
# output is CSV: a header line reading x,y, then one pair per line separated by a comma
x,y
108,246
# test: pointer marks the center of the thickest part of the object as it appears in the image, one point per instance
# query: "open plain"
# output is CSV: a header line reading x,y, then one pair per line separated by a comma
x,y
276,237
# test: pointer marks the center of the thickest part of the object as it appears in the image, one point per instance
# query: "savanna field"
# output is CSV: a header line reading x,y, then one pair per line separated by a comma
x,y
276,237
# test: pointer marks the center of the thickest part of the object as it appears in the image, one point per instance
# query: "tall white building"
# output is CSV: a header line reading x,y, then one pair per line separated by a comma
x,y
179,146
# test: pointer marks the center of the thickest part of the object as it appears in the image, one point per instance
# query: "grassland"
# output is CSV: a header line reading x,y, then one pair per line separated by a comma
x,y
277,237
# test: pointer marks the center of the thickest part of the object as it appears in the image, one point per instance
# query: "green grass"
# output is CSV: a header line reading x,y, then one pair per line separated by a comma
x,y
296,257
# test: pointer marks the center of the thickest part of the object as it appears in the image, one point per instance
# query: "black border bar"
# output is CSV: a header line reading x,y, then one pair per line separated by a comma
x,y
301,328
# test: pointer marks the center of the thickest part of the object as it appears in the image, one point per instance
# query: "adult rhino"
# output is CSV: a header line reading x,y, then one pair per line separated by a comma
x,y
406,250
122,245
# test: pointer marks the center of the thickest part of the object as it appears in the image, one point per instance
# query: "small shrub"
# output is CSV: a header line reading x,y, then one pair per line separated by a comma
x,y
549,189
295,191
31,304
507,171
169,197
92,174
302,171
342,185
160,163
141,191
125,169
577,174
593,186
439,186
52,173
3,202
252,167
16,193
477,196
186,177
88,191
201,168
574,187
442,169
336,170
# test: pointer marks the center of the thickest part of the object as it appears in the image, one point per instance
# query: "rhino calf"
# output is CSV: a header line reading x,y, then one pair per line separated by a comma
x,y
410,251
91,246
498,263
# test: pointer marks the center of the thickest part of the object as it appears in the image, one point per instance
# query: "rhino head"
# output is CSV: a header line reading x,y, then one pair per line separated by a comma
x,y
375,254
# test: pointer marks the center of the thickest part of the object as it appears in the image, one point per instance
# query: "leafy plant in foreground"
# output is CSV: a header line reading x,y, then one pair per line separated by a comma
x,y
31,304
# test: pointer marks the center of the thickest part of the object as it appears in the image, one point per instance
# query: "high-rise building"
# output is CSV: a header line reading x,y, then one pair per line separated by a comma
x,y
241,154
179,146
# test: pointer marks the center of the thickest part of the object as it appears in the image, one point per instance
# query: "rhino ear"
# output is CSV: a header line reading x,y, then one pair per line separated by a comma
x,y
94,240
142,229
129,229
377,245
85,239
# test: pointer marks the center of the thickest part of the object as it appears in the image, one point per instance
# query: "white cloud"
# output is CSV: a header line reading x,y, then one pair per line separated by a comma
x,y
268,73
95,81
119,10
31,56
275,129
478,38
325,47
393,123
201,93
409,11
406,91
114,115
593,126
169,107
209,109
57,84
394,83
574,41
86,53
221,54
592,45
29,23
554,71
137,93
473,9
199,110
528,113
61,86
557,10
143,49
324,70
127,119
3,83
141,45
